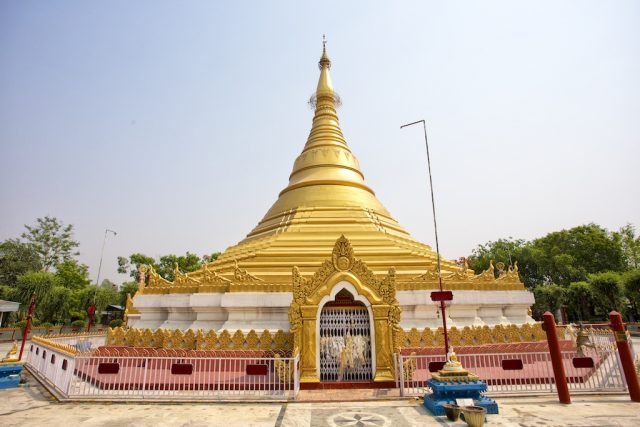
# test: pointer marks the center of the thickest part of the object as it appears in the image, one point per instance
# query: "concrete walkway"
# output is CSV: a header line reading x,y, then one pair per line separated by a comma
x,y
33,406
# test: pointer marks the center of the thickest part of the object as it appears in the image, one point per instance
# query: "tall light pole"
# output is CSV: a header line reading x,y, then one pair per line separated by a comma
x,y
441,296
91,310
104,241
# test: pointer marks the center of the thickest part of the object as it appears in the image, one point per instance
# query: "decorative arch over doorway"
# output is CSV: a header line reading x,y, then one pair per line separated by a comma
x,y
356,307
309,296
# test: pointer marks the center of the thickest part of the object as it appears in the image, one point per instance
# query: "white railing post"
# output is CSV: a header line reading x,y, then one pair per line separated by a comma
x,y
401,371
144,377
296,373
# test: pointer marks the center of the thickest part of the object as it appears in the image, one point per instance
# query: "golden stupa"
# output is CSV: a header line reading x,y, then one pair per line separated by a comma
x,y
326,236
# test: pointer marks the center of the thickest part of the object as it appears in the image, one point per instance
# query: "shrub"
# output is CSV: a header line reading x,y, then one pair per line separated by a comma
x,y
115,323
20,325
46,325
78,323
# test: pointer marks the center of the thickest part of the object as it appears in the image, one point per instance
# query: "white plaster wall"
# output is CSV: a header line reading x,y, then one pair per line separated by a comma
x,y
269,310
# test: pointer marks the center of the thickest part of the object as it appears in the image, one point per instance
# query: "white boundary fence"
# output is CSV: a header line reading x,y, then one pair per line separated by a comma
x,y
517,373
89,376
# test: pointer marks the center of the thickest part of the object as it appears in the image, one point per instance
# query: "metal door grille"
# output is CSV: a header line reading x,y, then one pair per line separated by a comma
x,y
345,344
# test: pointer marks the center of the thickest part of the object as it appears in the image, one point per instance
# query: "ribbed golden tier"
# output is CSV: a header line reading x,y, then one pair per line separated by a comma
x,y
326,197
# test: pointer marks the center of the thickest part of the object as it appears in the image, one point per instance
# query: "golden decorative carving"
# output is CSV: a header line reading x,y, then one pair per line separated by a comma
x,y
428,276
414,338
242,275
342,255
381,294
283,368
12,354
488,275
409,366
210,340
238,340
265,340
454,336
472,335
252,339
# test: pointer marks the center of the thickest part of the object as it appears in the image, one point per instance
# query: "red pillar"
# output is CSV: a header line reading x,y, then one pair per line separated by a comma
x,y
626,359
28,324
556,358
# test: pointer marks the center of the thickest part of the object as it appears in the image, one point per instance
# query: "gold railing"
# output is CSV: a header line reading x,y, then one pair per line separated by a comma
x,y
200,340
499,334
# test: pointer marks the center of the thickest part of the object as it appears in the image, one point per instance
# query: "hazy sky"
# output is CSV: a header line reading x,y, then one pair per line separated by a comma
x,y
177,123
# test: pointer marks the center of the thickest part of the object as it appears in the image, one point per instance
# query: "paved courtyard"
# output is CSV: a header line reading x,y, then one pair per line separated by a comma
x,y
33,406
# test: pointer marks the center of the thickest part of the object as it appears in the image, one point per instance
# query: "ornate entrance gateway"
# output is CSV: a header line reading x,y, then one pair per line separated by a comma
x,y
345,340
374,317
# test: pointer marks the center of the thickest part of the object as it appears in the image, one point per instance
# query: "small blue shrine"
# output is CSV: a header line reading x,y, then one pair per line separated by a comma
x,y
454,382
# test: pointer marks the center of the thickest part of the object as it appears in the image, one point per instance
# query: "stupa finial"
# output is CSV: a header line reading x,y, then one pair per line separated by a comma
x,y
324,59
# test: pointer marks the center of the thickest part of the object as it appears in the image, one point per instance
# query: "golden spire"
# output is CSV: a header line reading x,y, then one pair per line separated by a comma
x,y
326,176
326,159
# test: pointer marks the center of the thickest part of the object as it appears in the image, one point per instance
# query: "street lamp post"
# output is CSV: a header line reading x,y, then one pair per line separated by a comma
x,y
442,296
104,241
92,307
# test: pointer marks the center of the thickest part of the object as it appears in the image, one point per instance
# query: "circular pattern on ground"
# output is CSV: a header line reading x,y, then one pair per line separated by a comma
x,y
358,419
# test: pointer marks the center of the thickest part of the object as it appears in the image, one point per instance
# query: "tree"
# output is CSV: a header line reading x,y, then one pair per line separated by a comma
x,y
579,300
16,258
571,255
106,283
631,284
630,244
186,263
73,275
52,241
507,251
210,258
127,288
607,290
165,267
133,263
101,297
40,282
548,298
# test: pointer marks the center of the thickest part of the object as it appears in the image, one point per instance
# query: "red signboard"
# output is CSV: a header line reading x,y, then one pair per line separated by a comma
x,y
257,369
182,369
583,362
441,296
108,368
512,364
436,366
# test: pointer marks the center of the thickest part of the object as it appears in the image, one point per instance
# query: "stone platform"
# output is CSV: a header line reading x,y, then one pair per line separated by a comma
x,y
446,392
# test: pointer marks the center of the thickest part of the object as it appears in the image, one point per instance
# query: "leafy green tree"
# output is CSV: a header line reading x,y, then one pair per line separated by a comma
x,y
186,263
165,266
130,265
101,297
579,301
56,308
40,282
607,290
210,258
630,244
548,298
106,283
72,274
631,283
571,255
127,288
52,241
16,258
507,251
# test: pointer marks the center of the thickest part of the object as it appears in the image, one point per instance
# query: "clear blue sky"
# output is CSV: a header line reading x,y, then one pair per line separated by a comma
x,y
176,123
